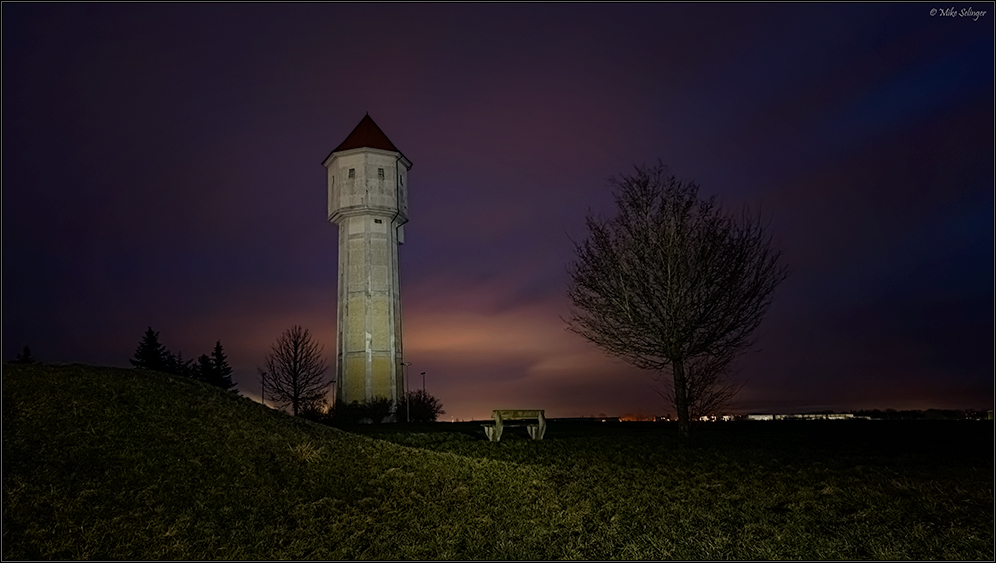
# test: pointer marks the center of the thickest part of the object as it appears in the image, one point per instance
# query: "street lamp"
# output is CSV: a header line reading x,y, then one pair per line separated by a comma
x,y
262,388
404,373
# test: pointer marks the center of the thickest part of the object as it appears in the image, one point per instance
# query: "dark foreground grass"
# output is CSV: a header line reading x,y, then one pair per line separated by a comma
x,y
757,490
103,463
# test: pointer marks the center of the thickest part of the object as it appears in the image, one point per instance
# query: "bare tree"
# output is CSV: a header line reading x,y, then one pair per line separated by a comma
x,y
675,285
292,373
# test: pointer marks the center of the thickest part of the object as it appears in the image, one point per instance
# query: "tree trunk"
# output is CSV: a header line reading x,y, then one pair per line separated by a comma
x,y
681,398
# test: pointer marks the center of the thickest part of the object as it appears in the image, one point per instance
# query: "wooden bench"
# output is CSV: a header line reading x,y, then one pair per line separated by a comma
x,y
493,430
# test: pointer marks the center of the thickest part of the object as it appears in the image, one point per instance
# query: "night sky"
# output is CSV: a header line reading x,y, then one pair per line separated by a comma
x,y
162,167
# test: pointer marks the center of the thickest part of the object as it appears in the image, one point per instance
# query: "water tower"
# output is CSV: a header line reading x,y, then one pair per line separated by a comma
x,y
368,200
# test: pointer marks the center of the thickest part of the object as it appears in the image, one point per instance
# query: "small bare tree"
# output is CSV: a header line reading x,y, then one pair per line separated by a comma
x,y
675,285
292,373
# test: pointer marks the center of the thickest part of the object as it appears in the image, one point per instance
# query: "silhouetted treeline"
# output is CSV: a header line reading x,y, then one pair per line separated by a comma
x,y
213,369
371,412
418,406
929,414
24,357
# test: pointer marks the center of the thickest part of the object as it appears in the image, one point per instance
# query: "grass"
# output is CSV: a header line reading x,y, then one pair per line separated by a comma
x,y
105,463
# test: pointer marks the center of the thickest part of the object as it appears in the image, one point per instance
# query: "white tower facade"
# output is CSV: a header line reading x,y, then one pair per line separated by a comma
x,y
368,200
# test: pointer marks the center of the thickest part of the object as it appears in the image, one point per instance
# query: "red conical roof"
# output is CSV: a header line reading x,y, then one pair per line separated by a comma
x,y
367,135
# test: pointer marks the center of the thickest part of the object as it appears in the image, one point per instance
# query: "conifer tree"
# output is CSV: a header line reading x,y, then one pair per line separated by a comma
x,y
204,370
178,366
150,354
222,372
24,357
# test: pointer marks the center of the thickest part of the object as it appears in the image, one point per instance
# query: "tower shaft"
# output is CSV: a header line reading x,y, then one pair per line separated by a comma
x,y
368,339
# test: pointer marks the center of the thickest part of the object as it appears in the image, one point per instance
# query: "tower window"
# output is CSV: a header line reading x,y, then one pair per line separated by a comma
x,y
380,173
352,172
377,221
402,180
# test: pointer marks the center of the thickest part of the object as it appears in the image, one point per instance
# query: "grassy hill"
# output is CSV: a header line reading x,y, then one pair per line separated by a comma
x,y
106,463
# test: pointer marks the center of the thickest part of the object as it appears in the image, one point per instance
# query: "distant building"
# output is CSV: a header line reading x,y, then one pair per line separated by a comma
x,y
814,416
808,416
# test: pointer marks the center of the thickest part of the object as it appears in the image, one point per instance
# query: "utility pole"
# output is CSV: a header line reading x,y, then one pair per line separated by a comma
x,y
262,389
404,373
423,382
